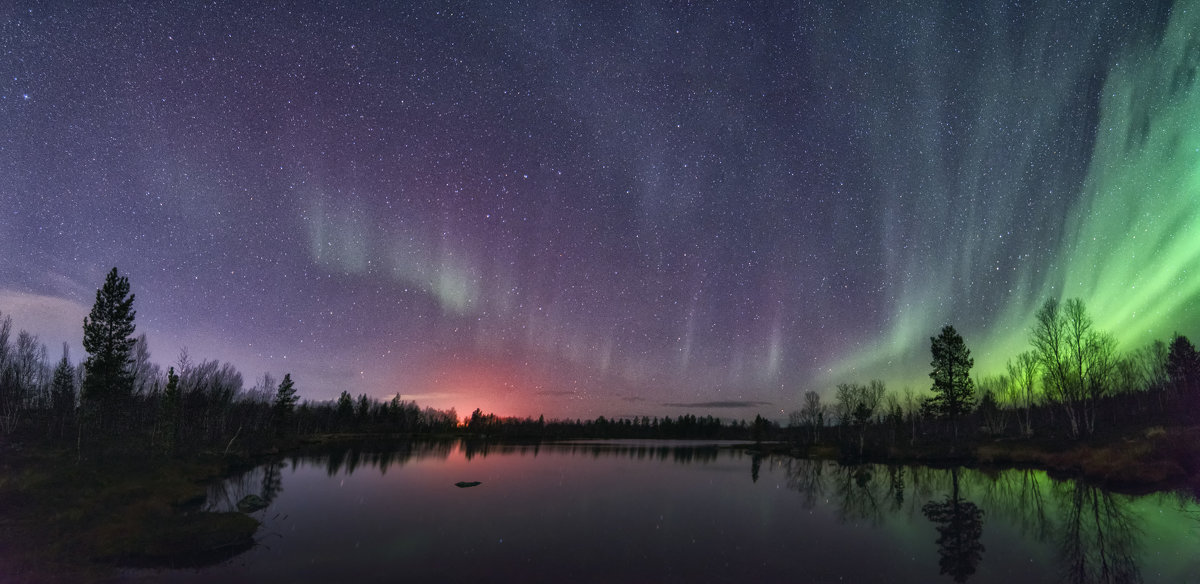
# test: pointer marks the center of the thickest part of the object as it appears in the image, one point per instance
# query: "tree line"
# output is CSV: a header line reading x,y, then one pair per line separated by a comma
x,y
118,399
1071,383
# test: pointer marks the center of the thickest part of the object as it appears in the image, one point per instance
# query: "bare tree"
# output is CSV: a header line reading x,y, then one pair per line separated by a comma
x,y
1022,375
1093,357
10,390
1049,340
5,332
145,373
32,371
994,402
1077,360
846,401
812,414
912,411
857,405
264,390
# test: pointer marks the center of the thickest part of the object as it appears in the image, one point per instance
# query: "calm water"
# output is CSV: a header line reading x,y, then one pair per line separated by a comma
x,y
660,512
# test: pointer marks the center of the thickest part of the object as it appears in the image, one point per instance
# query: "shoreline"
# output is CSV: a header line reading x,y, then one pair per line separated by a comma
x,y
85,520
1156,459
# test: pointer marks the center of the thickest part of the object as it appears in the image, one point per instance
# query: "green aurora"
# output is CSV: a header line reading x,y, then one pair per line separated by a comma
x,y
1129,244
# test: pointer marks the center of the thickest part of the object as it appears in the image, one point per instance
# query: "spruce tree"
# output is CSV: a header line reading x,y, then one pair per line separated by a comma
x,y
62,391
172,413
285,403
951,375
108,339
1183,371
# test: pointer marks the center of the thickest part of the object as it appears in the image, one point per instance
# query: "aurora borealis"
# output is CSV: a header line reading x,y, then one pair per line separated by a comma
x,y
577,209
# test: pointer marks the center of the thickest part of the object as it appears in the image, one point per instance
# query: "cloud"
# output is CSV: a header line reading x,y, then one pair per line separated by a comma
x,y
53,319
717,404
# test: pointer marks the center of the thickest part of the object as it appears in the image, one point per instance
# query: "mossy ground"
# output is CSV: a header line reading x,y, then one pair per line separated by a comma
x,y
75,521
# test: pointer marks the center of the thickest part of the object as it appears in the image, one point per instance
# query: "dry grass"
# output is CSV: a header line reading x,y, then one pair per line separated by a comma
x,y
1155,458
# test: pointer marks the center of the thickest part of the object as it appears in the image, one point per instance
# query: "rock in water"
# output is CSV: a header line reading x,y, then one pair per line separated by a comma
x,y
465,484
251,503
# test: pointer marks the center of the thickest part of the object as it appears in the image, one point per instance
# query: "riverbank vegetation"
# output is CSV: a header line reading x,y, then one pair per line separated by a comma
x,y
1071,403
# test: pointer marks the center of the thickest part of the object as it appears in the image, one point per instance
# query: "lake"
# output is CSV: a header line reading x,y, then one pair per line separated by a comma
x,y
681,512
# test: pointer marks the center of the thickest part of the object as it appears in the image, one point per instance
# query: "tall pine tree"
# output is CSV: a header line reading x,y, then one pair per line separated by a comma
x,y
285,403
951,375
108,339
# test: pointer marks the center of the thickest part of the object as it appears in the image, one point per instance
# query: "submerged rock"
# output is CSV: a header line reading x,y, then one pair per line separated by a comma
x,y
465,484
251,503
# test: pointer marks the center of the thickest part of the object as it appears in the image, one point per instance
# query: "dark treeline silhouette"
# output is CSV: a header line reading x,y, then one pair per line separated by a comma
x,y
118,400
685,427
1071,384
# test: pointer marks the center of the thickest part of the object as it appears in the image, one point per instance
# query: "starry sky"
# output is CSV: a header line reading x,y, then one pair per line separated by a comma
x,y
585,208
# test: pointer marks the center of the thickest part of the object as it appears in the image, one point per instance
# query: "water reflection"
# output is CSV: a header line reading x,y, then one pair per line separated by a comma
x,y
859,491
346,458
677,453
1095,534
806,476
960,527
615,511
1098,537
264,481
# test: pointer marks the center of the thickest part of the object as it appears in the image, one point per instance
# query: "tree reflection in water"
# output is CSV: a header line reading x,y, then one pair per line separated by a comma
x,y
272,481
804,475
1094,533
1099,535
960,527
265,481
858,494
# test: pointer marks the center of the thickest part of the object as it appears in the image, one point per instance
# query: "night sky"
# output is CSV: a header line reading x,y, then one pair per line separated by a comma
x,y
584,208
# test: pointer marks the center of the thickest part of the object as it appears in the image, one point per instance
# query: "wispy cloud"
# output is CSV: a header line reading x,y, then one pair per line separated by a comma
x,y
52,318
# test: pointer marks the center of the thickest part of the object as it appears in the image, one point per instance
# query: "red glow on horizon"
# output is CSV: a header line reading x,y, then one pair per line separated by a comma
x,y
493,386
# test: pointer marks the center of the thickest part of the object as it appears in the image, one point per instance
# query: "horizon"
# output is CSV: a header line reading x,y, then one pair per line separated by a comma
x,y
618,211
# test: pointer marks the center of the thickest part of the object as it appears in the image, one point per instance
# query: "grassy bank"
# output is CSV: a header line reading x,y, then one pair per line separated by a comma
x,y
1153,459
69,521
